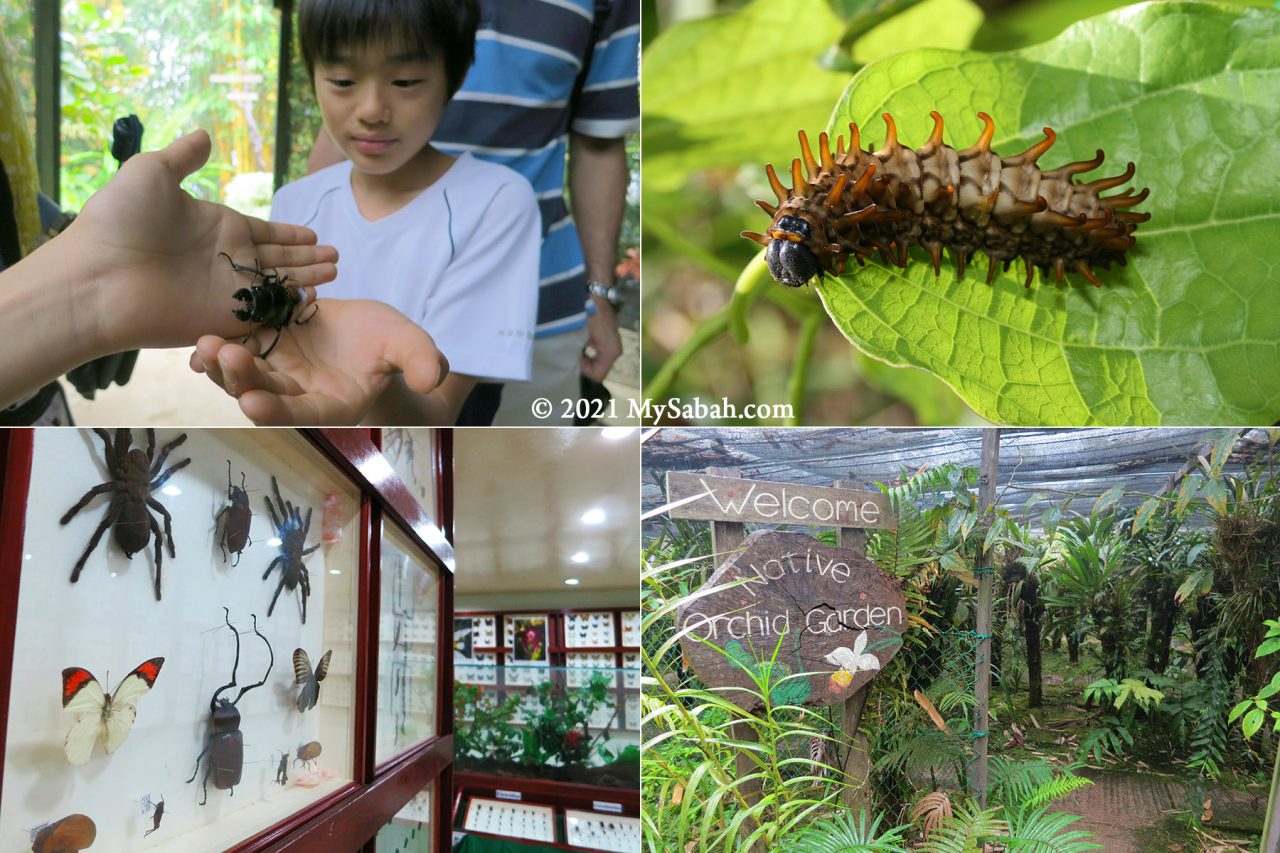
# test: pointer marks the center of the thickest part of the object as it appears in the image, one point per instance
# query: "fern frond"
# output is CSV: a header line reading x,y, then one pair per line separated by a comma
x,y
966,831
1054,789
846,834
1038,831
934,807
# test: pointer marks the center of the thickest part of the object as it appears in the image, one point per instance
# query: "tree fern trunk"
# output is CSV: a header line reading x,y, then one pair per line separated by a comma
x,y
1032,612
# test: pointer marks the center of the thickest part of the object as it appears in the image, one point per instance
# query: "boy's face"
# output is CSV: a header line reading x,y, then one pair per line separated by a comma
x,y
381,105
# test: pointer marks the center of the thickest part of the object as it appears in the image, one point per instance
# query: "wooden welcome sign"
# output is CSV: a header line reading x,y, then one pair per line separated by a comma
x,y
825,612
731,499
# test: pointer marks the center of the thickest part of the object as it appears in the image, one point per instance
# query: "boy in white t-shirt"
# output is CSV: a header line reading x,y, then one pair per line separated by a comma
x,y
452,243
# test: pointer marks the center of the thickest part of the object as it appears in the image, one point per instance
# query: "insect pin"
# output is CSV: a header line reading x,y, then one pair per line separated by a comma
x,y
270,302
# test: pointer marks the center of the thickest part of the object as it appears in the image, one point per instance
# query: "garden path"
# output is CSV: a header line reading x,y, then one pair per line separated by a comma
x,y
1122,809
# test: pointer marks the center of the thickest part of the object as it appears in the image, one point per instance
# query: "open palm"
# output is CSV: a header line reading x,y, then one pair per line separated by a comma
x,y
328,370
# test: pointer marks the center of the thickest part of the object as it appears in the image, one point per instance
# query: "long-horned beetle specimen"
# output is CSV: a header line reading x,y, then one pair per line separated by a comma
x,y
270,302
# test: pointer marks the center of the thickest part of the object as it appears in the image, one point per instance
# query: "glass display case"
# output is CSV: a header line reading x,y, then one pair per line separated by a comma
x,y
410,831
195,640
407,658
558,701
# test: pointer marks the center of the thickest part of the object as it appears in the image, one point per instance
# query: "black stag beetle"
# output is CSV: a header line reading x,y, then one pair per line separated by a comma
x,y
292,529
238,515
225,743
270,303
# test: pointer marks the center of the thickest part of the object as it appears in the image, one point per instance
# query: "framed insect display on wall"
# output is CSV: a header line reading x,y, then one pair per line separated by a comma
x,y
213,715
408,654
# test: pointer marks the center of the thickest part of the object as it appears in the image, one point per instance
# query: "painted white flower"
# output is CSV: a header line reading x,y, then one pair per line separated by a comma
x,y
854,661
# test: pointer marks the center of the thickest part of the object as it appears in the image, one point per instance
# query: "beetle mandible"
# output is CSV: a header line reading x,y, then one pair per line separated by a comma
x,y
225,743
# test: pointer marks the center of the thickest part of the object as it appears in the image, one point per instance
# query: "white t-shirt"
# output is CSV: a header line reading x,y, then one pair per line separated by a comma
x,y
461,259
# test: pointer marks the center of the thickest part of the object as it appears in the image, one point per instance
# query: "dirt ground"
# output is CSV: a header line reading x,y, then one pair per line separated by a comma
x,y
1129,813
164,391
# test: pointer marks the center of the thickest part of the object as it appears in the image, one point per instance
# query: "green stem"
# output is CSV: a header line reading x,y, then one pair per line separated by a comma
x,y
672,239
705,334
800,370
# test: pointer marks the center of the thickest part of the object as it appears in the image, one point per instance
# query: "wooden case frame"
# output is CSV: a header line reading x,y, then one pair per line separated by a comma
x,y
349,818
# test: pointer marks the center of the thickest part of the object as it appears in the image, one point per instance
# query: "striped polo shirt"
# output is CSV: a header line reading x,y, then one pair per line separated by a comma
x,y
514,109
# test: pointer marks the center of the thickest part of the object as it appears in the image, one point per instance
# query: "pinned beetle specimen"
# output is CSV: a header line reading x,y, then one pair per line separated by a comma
x,y
269,303
237,515
308,753
69,835
156,816
134,476
310,681
225,743
291,528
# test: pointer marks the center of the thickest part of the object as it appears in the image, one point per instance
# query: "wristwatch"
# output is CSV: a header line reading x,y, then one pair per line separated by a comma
x,y
608,292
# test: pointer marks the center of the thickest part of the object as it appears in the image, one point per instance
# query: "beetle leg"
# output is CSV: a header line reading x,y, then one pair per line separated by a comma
x,y
279,332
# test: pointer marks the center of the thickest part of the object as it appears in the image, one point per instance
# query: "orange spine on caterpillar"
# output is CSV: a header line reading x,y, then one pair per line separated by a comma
x,y
856,203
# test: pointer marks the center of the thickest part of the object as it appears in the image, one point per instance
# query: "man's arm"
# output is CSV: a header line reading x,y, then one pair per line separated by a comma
x,y
598,192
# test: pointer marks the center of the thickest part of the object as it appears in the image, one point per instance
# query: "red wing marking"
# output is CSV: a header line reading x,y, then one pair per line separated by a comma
x,y
148,670
73,679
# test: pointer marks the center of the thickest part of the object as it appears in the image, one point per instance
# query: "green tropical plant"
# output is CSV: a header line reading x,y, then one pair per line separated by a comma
x,y
847,833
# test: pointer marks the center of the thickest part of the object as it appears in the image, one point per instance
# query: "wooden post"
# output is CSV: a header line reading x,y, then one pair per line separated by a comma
x,y
982,685
727,536
857,764
1271,830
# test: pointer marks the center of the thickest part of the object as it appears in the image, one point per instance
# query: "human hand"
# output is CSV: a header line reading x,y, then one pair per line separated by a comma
x,y
603,339
327,371
153,253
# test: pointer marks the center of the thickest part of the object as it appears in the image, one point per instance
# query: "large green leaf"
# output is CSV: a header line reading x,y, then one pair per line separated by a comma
x,y
1189,332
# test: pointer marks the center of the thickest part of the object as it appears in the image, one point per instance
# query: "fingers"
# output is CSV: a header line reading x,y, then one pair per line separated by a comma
x,y
186,154
263,232
238,370
267,409
412,351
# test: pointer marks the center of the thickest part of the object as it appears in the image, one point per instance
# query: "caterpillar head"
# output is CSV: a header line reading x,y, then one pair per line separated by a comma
x,y
790,260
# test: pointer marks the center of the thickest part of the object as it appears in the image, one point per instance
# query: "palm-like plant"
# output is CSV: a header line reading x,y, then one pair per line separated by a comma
x,y
1094,576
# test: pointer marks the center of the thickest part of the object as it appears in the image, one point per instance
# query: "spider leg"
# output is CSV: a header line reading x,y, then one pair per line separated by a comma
x,y
312,548
155,529
163,478
279,559
164,454
271,509
107,520
279,587
88,496
168,523
124,440
306,591
151,443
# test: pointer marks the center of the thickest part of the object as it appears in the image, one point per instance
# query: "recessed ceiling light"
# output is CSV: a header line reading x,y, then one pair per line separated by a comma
x,y
580,557
172,491
274,542
572,581
617,432
335,571
593,516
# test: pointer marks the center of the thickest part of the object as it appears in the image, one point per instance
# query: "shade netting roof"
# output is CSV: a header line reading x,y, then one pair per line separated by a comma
x,y
1052,463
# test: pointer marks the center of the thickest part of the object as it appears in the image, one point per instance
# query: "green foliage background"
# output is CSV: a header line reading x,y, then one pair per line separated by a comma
x,y
1188,333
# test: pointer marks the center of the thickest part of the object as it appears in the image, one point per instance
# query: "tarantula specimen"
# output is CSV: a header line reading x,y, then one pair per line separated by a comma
x,y
291,529
134,476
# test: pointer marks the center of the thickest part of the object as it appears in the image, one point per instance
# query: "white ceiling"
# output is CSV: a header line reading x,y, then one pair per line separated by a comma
x,y
519,498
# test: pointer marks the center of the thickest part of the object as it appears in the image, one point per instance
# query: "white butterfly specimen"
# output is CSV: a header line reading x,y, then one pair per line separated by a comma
x,y
99,714
854,661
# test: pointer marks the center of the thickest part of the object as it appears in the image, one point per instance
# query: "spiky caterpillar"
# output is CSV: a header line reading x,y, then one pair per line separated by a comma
x,y
857,203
